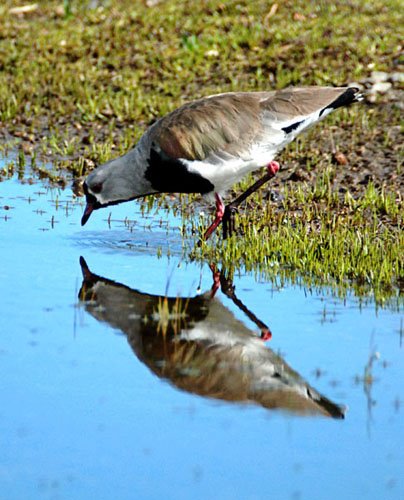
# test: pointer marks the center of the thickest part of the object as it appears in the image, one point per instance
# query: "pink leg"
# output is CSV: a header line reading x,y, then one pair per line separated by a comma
x,y
272,168
218,219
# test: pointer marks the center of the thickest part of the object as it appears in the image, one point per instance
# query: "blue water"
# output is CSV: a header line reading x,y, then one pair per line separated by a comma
x,y
82,416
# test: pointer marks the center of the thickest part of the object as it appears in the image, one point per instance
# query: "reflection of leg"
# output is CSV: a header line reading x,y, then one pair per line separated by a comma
x,y
218,219
228,289
230,209
266,334
216,280
265,331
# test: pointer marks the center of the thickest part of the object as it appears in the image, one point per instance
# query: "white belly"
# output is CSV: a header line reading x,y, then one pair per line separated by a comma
x,y
224,174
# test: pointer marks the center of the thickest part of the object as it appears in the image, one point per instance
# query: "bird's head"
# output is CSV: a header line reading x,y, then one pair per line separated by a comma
x,y
114,182
99,188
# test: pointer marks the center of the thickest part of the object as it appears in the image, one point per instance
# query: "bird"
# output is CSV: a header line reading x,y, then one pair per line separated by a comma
x,y
207,145
198,345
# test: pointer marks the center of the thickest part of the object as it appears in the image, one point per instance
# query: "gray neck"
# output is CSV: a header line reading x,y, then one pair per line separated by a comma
x,y
132,167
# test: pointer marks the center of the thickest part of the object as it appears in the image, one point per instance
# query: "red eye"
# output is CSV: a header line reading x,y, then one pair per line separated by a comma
x,y
97,188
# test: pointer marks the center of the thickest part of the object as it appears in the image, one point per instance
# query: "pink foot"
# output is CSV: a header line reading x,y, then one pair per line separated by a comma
x,y
266,334
219,216
273,167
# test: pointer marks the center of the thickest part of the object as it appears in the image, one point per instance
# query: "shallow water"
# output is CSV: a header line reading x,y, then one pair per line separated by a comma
x,y
108,391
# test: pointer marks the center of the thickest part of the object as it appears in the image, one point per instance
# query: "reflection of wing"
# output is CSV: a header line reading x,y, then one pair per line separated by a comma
x,y
199,346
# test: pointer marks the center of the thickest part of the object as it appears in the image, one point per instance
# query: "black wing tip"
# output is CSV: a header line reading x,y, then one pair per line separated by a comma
x,y
334,410
353,94
349,96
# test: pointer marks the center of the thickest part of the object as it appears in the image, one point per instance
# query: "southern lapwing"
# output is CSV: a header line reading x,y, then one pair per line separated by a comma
x,y
208,145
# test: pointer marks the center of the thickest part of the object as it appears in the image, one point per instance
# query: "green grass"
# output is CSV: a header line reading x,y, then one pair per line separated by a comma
x,y
80,85
335,241
107,68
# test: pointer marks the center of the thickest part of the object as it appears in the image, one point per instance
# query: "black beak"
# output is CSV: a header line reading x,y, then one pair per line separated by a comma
x,y
92,204
87,212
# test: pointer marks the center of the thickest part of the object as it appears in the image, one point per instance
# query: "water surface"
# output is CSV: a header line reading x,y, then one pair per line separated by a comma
x,y
110,391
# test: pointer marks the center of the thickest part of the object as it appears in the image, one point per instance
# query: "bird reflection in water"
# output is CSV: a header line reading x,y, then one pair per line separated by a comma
x,y
198,345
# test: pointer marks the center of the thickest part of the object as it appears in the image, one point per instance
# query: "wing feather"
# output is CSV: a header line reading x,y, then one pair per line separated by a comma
x,y
222,124
229,125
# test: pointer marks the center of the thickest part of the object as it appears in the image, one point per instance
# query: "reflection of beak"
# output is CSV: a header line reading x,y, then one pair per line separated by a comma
x,y
87,212
89,280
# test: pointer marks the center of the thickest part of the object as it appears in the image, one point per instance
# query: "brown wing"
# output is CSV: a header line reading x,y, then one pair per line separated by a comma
x,y
289,103
226,123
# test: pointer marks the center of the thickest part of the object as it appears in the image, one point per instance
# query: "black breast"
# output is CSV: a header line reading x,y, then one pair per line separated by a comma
x,y
170,175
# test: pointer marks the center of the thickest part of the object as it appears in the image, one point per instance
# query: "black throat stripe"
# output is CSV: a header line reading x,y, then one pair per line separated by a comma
x,y
169,175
